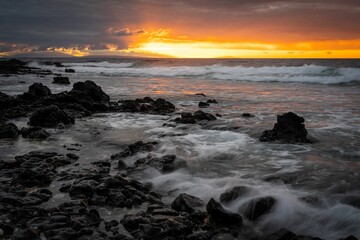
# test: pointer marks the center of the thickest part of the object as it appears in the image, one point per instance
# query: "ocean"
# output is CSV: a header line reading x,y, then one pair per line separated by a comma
x,y
316,186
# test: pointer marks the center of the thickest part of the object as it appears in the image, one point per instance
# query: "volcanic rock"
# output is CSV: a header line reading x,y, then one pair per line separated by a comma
x,y
203,104
50,117
9,130
69,70
36,91
231,194
289,128
221,216
258,207
186,203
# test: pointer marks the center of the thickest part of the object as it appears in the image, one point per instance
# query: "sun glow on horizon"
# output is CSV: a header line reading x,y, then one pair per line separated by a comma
x,y
240,50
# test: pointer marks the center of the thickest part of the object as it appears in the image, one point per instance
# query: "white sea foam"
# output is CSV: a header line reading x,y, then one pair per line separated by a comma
x,y
305,73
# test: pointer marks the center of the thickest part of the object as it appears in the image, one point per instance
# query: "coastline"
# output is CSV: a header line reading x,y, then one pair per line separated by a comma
x,y
112,181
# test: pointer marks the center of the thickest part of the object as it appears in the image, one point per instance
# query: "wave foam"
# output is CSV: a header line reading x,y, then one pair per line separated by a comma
x,y
303,74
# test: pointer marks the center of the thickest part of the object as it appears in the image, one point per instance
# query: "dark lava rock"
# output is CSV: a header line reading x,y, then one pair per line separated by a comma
x,y
284,234
50,117
211,101
200,115
86,94
12,66
131,222
171,163
248,115
221,216
69,70
186,203
90,89
281,234
163,107
61,80
5,100
289,128
258,207
351,237
36,91
35,133
203,104
33,169
76,110
232,194
147,105
90,96
9,130
133,149
186,118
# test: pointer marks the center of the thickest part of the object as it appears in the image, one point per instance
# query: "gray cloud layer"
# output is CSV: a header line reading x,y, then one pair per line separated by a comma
x,y
68,23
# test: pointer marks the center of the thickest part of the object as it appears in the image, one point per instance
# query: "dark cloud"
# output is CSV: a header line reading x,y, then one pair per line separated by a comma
x,y
124,32
86,23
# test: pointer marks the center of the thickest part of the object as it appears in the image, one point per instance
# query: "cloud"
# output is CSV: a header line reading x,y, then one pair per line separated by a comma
x,y
124,32
69,24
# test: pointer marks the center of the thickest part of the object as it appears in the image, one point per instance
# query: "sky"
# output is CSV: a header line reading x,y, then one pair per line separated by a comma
x,y
181,28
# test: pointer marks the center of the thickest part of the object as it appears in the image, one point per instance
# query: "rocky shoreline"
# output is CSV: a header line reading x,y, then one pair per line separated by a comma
x,y
26,179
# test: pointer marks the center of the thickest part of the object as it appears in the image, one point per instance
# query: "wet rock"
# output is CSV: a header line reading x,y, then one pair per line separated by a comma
x,y
145,100
186,203
258,207
69,70
121,165
247,115
232,194
5,101
351,237
76,110
34,169
50,117
200,115
58,64
281,234
26,234
72,156
83,187
163,107
132,222
133,149
200,94
220,216
9,130
186,118
13,66
203,104
42,194
171,163
87,94
211,101
35,133
147,105
289,128
36,91
111,225
61,80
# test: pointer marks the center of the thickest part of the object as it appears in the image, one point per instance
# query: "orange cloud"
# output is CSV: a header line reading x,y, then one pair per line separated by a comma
x,y
76,52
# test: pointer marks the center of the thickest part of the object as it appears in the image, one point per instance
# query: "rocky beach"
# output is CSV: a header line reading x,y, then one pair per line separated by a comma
x,y
174,150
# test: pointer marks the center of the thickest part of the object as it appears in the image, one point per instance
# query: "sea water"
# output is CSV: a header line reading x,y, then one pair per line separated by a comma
x,y
317,186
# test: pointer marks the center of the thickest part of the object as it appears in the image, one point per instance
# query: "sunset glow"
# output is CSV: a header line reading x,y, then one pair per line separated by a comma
x,y
186,29
241,50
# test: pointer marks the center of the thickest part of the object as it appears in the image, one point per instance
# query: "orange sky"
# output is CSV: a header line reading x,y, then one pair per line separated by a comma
x,y
184,28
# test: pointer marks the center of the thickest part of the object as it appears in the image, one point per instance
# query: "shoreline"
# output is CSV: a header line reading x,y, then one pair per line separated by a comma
x,y
98,187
